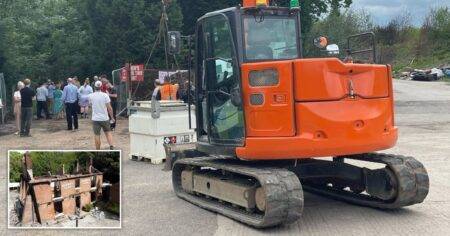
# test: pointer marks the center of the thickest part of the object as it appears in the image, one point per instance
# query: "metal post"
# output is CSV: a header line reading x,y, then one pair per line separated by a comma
x,y
300,41
126,84
112,75
129,82
189,79
166,45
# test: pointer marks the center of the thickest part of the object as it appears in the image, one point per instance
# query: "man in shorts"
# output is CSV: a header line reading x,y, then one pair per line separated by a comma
x,y
101,107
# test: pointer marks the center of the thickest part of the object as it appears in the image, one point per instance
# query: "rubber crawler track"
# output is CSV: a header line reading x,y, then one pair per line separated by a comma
x,y
284,194
412,181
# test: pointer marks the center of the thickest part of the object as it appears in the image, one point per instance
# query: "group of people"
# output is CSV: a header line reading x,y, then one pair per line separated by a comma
x,y
48,100
74,98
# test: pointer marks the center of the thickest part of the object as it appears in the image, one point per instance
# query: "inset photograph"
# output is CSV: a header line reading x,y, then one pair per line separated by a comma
x,y
64,189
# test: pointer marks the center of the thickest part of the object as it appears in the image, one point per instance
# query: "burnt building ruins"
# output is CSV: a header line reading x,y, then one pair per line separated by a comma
x,y
44,198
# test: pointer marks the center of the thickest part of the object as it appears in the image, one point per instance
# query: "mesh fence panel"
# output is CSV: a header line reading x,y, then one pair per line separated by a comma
x,y
142,91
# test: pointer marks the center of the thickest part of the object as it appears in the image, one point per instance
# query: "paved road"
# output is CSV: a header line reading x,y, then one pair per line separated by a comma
x,y
150,207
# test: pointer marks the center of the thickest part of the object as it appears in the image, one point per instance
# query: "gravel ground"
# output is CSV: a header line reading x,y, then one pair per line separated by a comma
x,y
150,206
87,219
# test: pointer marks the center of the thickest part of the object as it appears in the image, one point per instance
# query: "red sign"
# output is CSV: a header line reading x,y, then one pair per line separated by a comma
x,y
124,74
170,140
137,72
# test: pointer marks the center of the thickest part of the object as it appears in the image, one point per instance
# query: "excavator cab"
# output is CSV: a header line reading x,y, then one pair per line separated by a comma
x,y
224,41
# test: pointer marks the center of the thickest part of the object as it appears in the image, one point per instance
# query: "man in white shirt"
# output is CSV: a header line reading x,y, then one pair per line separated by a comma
x,y
101,107
17,100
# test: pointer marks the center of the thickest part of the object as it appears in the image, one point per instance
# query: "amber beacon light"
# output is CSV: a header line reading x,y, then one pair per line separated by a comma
x,y
254,3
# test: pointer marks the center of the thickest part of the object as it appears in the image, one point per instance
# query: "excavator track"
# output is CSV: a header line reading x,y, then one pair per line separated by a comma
x,y
411,185
283,194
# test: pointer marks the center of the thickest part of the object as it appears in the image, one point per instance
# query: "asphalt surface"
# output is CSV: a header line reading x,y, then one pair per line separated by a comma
x,y
151,208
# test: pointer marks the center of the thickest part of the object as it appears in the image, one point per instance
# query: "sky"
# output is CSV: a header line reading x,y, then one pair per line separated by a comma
x,y
382,11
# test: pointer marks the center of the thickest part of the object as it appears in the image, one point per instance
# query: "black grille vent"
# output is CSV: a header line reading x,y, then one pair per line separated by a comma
x,y
257,99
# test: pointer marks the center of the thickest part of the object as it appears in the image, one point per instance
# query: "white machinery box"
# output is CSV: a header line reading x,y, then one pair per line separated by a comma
x,y
153,125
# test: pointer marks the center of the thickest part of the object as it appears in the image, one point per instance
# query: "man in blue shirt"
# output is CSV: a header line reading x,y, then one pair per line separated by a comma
x,y
51,89
69,98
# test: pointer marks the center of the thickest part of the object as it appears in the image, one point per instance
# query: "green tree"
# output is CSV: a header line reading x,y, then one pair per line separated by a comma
x,y
437,24
15,166
43,163
124,31
337,28
311,10
44,41
52,162
2,45
57,39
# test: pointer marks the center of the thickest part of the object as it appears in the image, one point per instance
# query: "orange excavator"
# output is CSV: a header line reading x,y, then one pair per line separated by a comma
x,y
267,119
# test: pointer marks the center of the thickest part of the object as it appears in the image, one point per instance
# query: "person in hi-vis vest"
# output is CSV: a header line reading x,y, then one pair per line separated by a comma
x,y
167,91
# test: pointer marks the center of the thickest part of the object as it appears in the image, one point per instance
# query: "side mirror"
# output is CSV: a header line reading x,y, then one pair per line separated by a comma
x,y
333,49
321,42
174,42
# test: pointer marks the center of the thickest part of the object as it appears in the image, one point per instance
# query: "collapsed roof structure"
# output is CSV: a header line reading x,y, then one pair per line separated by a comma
x,y
44,198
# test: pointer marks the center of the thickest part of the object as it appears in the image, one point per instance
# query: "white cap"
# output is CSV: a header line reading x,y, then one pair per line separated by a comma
x,y
98,84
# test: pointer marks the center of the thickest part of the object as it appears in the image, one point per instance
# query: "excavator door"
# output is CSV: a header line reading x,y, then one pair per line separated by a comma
x,y
221,114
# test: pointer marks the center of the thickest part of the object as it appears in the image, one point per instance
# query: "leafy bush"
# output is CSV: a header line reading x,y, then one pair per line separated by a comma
x,y
113,208
109,206
88,207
